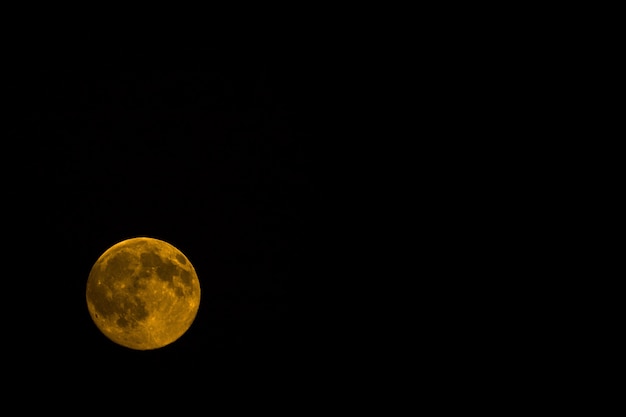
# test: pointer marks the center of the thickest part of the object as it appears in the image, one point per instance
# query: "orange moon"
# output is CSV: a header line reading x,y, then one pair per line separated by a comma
x,y
143,293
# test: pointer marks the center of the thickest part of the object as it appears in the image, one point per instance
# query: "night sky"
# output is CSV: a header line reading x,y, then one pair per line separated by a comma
x,y
215,159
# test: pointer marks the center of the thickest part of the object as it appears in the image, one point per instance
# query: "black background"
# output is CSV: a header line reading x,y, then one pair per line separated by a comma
x,y
218,159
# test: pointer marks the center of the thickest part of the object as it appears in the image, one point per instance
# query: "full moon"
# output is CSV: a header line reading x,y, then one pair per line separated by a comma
x,y
143,293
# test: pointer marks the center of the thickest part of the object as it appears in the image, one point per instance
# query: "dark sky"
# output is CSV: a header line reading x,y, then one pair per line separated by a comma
x,y
215,159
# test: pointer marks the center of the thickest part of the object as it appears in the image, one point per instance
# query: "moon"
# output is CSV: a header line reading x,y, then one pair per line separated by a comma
x,y
143,293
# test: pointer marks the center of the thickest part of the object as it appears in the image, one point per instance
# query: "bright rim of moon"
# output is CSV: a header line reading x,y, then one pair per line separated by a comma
x,y
143,293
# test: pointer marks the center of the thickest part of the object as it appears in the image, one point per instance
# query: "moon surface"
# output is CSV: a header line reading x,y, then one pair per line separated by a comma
x,y
143,293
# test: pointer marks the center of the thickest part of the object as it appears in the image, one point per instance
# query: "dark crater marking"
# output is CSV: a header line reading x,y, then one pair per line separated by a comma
x,y
166,270
129,308
117,265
